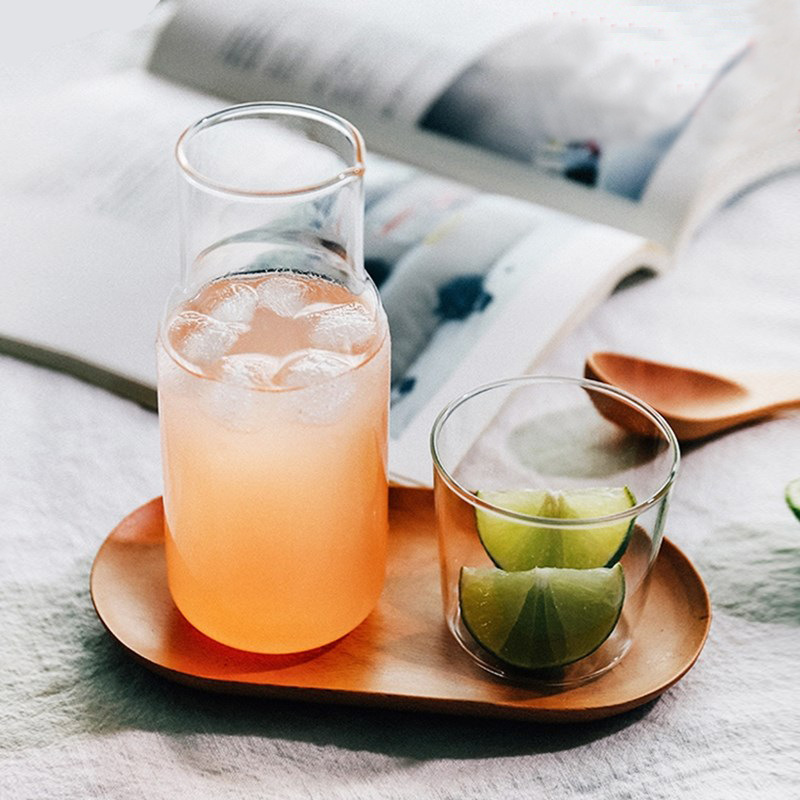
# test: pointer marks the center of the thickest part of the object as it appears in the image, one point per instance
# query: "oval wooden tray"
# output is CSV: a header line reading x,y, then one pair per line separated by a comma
x,y
402,656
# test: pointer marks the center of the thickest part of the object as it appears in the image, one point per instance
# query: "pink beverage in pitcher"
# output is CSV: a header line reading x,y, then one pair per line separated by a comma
x,y
273,398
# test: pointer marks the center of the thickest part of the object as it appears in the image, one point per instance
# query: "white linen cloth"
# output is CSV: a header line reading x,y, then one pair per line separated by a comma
x,y
79,719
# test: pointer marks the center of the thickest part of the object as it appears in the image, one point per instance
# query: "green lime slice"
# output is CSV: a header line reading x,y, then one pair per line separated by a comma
x,y
515,546
793,496
544,617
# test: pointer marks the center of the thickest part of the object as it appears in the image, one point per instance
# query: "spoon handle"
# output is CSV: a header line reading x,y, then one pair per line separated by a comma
x,y
773,390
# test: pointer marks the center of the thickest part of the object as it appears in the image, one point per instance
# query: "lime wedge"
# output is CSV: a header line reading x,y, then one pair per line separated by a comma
x,y
517,546
793,496
544,617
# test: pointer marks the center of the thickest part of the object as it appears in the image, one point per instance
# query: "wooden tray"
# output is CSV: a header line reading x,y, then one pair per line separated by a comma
x,y
402,656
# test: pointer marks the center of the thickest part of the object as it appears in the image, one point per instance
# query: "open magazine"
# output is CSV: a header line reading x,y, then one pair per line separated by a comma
x,y
533,154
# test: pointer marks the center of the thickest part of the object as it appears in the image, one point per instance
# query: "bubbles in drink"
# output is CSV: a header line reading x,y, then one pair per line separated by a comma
x,y
284,294
255,370
231,406
312,366
326,403
234,302
201,339
346,328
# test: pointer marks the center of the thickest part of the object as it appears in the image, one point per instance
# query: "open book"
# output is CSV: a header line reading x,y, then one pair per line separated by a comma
x,y
533,154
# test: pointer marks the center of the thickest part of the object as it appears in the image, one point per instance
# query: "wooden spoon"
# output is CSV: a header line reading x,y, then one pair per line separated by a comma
x,y
696,403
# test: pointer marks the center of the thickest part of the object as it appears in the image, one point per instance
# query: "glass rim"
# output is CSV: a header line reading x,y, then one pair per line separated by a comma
x,y
264,110
550,522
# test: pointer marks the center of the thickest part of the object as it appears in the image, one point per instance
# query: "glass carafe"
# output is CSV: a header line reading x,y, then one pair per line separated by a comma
x,y
273,384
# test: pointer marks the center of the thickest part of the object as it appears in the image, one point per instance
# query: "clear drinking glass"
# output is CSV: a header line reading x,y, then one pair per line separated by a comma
x,y
551,498
273,384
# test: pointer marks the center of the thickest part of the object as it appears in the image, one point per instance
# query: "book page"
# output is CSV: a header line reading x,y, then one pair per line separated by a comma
x,y
89,204
474,285
539,288
743,131
389,59
572,104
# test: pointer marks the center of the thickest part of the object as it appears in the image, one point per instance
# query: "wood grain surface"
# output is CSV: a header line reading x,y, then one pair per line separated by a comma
x,y
402,656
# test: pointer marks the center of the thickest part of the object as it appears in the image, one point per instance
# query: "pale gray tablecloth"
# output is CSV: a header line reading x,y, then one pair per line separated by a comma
x,y
79,719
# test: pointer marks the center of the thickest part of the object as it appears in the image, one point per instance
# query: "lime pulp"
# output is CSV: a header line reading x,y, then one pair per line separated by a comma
x,y
515,545
543,617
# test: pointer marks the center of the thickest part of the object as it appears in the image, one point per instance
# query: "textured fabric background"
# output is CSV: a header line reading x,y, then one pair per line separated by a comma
x,y
78,719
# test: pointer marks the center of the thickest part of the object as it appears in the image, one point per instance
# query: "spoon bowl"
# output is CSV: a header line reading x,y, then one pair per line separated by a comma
x,y
695,403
